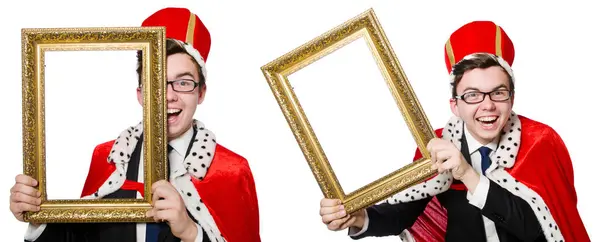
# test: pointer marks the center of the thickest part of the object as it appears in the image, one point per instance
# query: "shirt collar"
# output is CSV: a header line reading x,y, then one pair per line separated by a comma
x,y
474,145
181,143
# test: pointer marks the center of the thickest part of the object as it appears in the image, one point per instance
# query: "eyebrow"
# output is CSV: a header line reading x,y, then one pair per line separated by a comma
x,y
187,73
476,89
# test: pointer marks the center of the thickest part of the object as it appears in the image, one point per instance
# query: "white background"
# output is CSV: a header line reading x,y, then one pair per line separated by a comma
x,y
555,66
91,76
349,126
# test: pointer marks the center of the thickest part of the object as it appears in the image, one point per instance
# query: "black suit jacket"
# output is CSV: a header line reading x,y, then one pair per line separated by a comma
x,y
109,232
513,217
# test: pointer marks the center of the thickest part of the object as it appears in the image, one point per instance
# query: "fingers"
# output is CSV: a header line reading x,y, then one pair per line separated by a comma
x,y
25,180
166,192
434,150
434,159
329,217
160,183
449,164
333,214
326,202
443,155
161,215
330,210
431,143
454,161
348,223
23,196
444,160
455,167
157,193
429,149
20,207
27,190
164,204
152,214
437,144
163,189
434,146
337,224
18,197
441,152
24,207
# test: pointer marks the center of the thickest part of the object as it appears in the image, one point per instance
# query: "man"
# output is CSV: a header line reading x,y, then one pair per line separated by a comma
x,y
193,204
502,176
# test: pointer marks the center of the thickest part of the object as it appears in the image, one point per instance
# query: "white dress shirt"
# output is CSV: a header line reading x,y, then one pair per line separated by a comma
x,y
476,198
176,161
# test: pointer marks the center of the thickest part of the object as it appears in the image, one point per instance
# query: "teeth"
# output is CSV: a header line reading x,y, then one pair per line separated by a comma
x,y
171,111
487,119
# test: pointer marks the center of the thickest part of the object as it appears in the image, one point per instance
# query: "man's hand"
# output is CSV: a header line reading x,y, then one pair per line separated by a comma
x,y
445,156
167,205
24,197
335,217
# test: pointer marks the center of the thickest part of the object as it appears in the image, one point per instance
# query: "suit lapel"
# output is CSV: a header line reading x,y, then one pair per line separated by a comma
x,y
464,150
187,152
463,212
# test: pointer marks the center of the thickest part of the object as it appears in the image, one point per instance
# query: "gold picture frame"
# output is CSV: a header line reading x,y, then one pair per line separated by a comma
x,y
365,25
35,42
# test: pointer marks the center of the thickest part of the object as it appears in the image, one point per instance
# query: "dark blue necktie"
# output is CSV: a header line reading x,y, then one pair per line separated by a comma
x,y
153,229
485,158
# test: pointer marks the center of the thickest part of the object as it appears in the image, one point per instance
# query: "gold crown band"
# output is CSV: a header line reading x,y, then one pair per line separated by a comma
x,y
189,37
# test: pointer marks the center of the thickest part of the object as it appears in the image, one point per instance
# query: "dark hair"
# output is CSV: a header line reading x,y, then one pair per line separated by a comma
x,y
482,61
172,48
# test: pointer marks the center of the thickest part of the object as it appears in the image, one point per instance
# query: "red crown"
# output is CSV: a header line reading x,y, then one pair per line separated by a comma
x,y
477,37
183,25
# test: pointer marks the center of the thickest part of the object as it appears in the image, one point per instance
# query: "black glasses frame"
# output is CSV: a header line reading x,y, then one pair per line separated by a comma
x,y
196,84
462,97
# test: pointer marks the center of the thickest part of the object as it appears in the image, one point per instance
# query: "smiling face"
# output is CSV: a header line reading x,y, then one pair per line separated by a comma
x,y
181,105
484,119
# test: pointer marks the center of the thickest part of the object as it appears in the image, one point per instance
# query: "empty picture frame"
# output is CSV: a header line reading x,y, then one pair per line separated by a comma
x,y
319,88
56,91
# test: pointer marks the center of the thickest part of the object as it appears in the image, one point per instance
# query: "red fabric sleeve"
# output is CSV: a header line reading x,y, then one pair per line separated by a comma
x,y
99,170
230,195
544,165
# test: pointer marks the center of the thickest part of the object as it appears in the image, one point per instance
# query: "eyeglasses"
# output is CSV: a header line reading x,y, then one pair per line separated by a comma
x,y
183,85
477,97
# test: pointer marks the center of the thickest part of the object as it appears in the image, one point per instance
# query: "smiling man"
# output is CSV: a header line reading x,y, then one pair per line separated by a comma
x,y
210,195
502,176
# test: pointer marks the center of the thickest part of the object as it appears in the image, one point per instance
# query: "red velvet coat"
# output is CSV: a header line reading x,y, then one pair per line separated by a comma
x,y
228,191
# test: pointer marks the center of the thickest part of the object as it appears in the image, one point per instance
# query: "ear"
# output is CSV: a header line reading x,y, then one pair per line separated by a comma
x,y
202,94
454,106
140,98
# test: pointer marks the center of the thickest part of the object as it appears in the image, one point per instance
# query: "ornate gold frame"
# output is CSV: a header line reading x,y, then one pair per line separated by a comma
x,y
366,26
35,42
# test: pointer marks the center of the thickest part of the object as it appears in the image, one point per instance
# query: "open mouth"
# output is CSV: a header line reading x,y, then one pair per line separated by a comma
x,y
487,121
172,114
